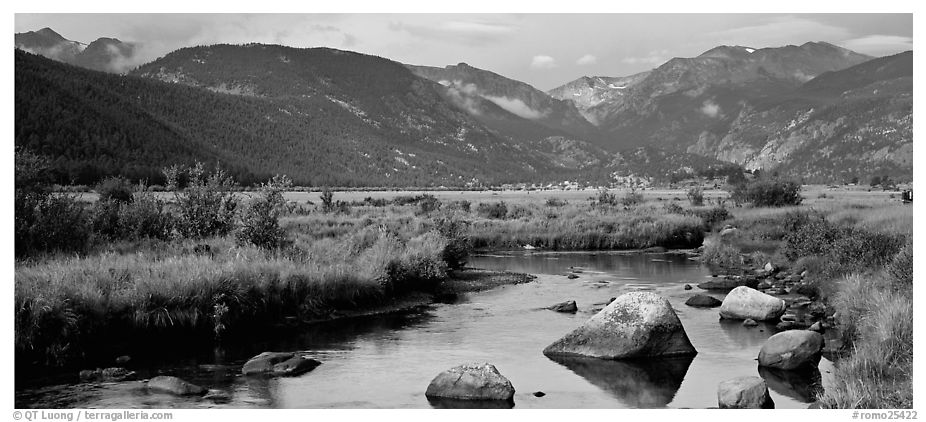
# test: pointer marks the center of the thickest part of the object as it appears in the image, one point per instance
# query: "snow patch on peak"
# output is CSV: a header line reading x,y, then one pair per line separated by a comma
x,y
749,50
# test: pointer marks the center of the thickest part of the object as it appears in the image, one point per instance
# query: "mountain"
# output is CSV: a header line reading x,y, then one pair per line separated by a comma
x,y
856,122
590,91
518,98
48,43
321,116
104,54
797,110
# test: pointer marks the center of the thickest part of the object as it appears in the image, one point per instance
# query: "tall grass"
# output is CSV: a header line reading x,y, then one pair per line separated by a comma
x,y
575,227
65,302
877,320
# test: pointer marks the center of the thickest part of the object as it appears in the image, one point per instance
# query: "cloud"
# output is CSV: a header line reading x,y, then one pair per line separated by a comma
x,y
652,58
516,106
778,31
463,95
711,109
474,33
879,44
543,62
587,60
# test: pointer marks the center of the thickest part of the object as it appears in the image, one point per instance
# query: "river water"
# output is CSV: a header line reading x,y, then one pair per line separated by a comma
x,y
387,362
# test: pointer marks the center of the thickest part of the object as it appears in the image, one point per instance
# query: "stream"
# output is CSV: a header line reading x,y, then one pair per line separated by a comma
x,y
388,361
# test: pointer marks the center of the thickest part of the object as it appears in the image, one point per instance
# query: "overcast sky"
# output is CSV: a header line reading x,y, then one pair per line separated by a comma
x,y
545,50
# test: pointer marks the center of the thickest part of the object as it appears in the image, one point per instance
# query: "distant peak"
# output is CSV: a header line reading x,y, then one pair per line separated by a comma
x,y
48,32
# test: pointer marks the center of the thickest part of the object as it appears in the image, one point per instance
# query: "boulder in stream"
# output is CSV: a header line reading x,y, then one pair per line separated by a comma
x,y
634,325
472,381
566,307
703,301
175,386
746,303
744,393
792,350
279,363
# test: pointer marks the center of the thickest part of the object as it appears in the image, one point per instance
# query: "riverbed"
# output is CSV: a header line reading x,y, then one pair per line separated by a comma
x,y
388,361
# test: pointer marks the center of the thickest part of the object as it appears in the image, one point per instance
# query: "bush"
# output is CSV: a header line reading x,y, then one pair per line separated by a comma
x,y
696,196
115,189
901,267
722,255
206,207
848,247
555,202
327,198
605,197
769,193
427,205
712,216
458,248
497,210
519,211
462,205
49,222
260,224
632,198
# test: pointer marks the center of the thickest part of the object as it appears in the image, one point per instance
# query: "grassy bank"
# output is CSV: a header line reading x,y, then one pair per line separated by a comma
x,y
857,255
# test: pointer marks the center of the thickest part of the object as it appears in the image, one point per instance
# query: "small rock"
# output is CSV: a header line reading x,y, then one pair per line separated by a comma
x,y
764,285
122,360
744,393
572,276
816,327
817,309
471,382
688,287
789,317
539,394
105,375
565,307
769,267
703,301
750,323
279,363
217,396
175,386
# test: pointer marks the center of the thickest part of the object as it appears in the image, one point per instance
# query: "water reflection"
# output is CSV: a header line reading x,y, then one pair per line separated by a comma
x,y
746,337
623,264
802,385
442,403
650,383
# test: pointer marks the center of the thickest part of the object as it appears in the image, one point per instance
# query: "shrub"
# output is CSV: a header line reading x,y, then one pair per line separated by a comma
x,y
518,211
696,196
848,247
497,210
456,231
712,216
769,193
462,205
722,255
327,198
901,267
206,207
555,202
260,221
427,205
673,208
605,197
49,222
632,198
117,189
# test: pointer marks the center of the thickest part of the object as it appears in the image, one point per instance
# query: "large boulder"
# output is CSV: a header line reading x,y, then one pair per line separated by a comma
x,y
744,393
746,303
175,386
279,363
792,350
637,324
703,301
471,382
